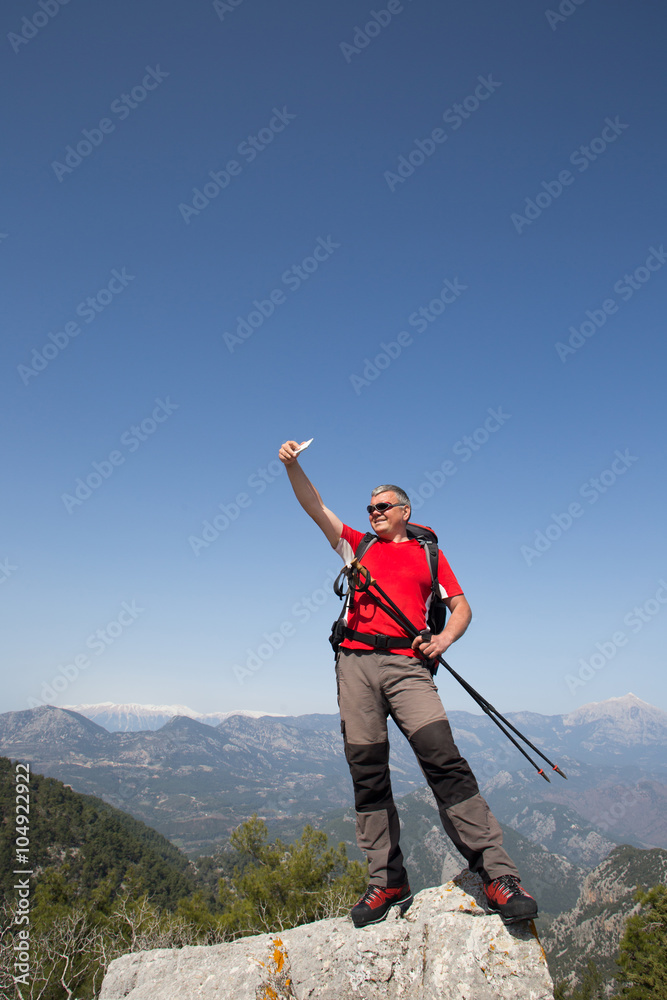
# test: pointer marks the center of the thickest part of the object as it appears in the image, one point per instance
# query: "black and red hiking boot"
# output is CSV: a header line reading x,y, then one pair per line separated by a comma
x,y
507,898
376,902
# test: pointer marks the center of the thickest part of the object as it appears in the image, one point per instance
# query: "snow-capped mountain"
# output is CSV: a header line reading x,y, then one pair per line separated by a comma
x,y
132,718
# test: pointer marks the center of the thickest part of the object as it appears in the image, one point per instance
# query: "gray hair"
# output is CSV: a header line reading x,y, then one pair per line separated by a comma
x,y
401,496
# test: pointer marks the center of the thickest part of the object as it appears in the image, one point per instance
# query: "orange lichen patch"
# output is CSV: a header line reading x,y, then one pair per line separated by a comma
x,y
278,955
279,986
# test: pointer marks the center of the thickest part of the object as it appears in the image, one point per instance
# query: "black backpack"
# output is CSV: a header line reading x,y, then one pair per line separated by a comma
x,y
437,612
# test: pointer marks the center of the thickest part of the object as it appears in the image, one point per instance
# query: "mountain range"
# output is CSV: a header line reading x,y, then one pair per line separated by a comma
x,y
195,778
132,717
194,781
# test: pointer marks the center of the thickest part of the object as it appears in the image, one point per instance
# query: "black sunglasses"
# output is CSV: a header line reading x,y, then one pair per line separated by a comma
x,y
382,507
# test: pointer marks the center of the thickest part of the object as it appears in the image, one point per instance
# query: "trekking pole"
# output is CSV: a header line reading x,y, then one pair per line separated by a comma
x,y
357,572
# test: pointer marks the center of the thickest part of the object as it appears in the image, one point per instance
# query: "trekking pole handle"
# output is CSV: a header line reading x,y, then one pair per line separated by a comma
x,y
362,574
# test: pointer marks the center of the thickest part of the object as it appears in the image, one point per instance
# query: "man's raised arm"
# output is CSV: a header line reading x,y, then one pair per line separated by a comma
x,y
307,495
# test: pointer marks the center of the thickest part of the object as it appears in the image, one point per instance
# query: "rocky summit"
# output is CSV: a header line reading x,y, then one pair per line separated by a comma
x,y
446,947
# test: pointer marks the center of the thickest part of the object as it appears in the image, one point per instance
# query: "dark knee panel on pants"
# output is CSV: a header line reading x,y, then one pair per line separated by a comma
x,y
378,828
369,767
447,773
464,814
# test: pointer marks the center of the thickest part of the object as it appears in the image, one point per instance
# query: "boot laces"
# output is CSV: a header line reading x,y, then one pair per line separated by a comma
x,y
372,892
510,883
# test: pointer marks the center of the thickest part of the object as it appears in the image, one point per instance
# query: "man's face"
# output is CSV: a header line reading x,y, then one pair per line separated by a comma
x,y
389,521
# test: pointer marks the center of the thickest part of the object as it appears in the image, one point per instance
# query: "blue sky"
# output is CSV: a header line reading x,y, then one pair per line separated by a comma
x,y
416,203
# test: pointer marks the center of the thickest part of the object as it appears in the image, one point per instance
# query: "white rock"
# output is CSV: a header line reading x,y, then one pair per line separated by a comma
x,y
446,947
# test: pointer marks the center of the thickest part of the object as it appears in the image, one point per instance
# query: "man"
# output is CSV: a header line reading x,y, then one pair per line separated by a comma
x,y
395,681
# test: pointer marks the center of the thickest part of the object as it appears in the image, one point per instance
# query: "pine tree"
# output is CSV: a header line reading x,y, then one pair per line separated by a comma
x,y
643,950
279,885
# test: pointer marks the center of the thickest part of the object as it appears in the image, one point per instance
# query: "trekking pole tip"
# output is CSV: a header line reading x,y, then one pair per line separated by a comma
x,y
562,773
545,776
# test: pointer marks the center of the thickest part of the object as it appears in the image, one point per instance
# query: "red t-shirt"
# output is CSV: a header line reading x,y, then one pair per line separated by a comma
x,y
402,570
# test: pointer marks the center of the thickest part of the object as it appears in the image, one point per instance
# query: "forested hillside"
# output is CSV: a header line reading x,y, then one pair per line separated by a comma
x,y
102,884
89,841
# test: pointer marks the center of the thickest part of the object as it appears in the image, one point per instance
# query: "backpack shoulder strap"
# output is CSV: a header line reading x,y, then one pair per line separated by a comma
x,y
437,613
365,544
431,549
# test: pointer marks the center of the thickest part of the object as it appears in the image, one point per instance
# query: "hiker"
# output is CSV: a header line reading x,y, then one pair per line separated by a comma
x,y
380,672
